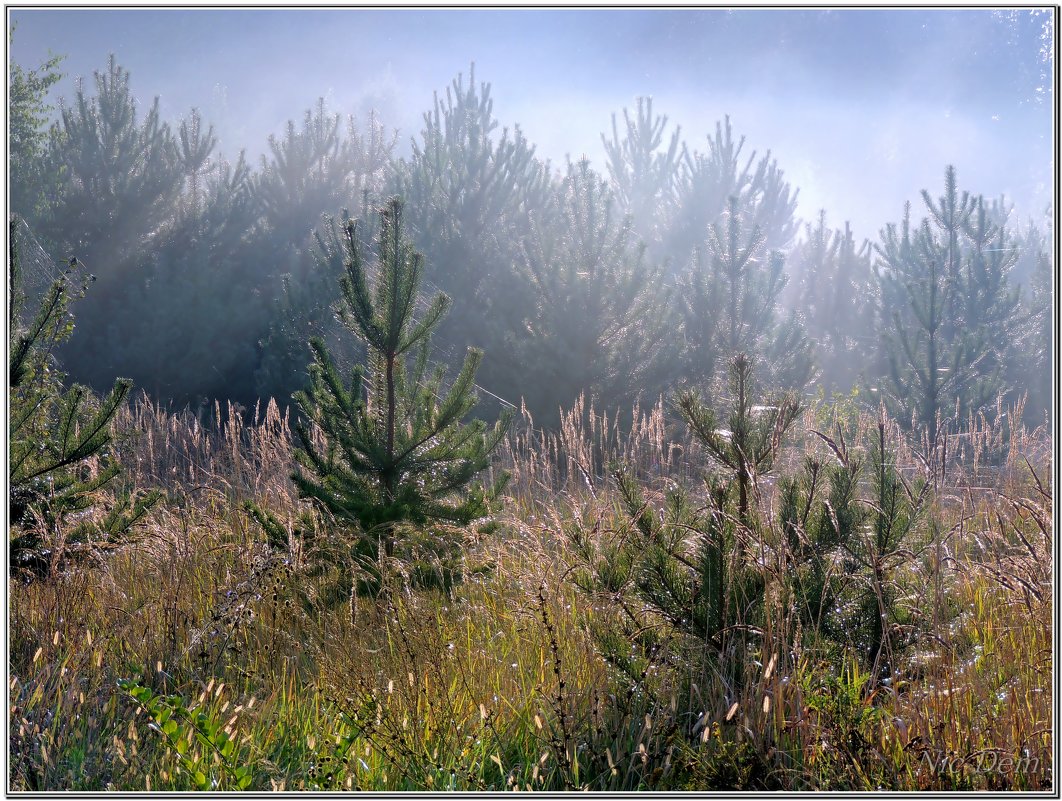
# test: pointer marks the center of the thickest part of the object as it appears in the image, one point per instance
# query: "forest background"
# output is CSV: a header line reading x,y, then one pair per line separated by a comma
x,y
210,282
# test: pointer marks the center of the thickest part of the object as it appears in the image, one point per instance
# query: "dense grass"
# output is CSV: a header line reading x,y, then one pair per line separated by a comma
x,y
197,657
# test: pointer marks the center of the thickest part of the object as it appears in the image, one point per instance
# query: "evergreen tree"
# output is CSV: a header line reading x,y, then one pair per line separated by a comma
x,y
880,551
821,515
314,169
392,446
122,175
312,172
750,443
728,303
165,223
195,147
60,453
926,370
31,185
729,285
947,318
990,303
690,569
470,194
202,307
304,311
731,582
599,315
708,183
1026,256
843,551
168,226
674,193
644,173
1035,359
121,184
1029,241
832,284
951,214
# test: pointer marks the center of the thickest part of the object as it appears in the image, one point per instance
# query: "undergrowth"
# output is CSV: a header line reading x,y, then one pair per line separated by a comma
x,y
211,654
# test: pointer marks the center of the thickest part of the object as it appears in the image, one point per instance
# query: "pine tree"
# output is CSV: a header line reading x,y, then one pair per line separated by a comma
x,y
844,551
990,303
926,370
470,193
729,303
750,443
313,170
644,173
731,582
707,183
120,193
704,585
195,149
31,185
60,453
951,214
599,316
1033,367
897,506
674,193
393,448
304,310
947,318
832,283
123,174
687,567
821,514
202,308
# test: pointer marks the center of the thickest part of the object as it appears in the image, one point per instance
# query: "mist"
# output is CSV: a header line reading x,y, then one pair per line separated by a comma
x,y
532,146
860,107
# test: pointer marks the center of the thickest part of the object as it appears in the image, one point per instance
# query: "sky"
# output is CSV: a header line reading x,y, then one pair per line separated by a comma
x,y
862,108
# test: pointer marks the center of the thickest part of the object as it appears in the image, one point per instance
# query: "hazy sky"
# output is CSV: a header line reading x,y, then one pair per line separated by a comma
x,y
861,108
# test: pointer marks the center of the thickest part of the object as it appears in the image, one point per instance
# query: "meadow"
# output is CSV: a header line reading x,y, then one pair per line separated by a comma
x,y
210,653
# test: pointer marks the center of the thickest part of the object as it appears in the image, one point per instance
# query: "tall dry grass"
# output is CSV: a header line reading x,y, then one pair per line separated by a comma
x,y
500,682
